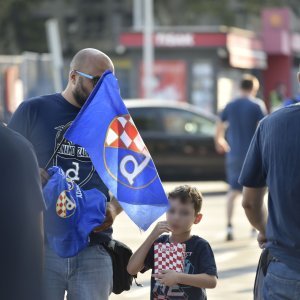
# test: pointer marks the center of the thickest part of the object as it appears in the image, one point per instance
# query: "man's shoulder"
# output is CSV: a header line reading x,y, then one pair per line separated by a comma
x,y
285,114
40,100
236,103
33,107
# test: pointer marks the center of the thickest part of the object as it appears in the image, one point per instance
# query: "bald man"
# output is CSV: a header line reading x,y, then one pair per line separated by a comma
x,y
43,121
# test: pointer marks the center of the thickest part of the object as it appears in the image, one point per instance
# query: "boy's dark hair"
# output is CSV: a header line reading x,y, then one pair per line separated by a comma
x,y
249,82
188,194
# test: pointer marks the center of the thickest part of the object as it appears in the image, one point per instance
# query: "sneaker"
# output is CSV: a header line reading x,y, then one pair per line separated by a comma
x,y
229,236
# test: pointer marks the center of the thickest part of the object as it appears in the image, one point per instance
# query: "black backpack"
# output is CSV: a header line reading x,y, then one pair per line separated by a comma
x,y
120,255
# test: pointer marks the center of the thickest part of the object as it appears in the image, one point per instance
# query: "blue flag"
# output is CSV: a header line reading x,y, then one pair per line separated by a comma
x,y
71,213
107,132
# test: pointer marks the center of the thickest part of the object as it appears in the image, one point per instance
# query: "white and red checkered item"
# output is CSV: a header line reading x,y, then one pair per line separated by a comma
x,y
61,205
122,133
169,256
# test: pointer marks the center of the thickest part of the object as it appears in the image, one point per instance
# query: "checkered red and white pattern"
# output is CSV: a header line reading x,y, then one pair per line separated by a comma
x,y
122,133
169,256
61,205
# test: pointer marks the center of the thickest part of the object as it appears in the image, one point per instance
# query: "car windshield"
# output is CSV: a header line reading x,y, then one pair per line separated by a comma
x,y
184,122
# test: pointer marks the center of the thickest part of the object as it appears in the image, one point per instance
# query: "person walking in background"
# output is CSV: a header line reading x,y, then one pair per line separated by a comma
x,y
21,224
278,96
43,121
234,131
273,161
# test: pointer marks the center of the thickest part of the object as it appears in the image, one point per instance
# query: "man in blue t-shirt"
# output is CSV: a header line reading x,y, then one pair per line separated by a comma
x,y
234,132
43,121
273,161
21,226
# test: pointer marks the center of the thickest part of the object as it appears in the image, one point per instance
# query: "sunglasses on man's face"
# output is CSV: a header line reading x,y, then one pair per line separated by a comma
x,y
93,78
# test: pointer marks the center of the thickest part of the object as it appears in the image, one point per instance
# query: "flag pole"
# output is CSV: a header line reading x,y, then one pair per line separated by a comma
x,y
54,153
148,51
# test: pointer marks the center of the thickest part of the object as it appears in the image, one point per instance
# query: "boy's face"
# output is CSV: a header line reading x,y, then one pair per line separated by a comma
x,y
181,216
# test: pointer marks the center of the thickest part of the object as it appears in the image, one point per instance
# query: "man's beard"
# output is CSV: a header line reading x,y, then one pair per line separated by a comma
x,y
79,95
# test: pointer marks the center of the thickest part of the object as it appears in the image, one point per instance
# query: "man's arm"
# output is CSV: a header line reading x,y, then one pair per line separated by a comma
x,y
255,209
220,141
113,209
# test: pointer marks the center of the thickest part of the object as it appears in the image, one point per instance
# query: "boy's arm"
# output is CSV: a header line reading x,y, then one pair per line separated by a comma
x,y
169,278
198,280
136,262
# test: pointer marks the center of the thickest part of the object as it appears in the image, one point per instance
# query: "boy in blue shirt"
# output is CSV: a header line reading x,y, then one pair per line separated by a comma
x,y
199,264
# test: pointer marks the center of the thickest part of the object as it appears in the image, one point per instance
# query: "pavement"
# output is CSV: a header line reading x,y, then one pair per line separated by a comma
x,y
236,260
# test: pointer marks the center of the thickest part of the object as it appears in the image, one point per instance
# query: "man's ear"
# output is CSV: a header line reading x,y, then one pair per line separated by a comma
x,y
198,218
72,77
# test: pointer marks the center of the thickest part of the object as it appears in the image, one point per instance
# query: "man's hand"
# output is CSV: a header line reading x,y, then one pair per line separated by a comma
x,y
113,208
167,277
261,238
222,146
44,176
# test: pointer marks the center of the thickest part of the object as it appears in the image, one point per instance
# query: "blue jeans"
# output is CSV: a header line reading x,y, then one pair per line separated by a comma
x,y
281,283
87,276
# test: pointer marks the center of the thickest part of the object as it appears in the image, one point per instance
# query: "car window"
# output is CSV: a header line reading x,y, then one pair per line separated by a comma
x,y
178,121
146,119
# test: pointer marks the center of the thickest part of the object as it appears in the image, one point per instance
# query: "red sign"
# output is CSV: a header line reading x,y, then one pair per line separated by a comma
x,y
276,31
169,80
246,52
176,40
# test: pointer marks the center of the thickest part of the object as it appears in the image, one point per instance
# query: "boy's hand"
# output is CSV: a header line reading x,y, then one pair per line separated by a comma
x,y
167,277
160,228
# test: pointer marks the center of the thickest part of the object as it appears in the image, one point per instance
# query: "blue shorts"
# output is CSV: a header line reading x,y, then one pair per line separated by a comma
x,y
233,171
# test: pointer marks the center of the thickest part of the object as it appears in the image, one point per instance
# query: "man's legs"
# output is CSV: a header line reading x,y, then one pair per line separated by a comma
x,y
91,275
231,196
55,276
233,170
281,283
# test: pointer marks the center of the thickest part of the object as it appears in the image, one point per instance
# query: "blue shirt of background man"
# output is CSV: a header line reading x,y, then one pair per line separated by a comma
x,y
274,160
21,251
43,121
199,259
242,116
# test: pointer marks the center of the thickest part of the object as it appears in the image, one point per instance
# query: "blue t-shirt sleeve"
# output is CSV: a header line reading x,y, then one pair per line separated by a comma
x,y
260,113
253,172
20,121
224,114
206,261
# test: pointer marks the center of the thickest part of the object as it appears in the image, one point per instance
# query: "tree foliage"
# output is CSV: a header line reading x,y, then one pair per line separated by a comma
x,y
19,30
22,25
215,12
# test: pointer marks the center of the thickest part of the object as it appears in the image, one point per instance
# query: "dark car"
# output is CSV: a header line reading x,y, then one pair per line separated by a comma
x,y
180,139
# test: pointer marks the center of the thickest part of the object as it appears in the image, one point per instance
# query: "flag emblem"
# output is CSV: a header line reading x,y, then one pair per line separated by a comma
x,y
123,136
65,206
